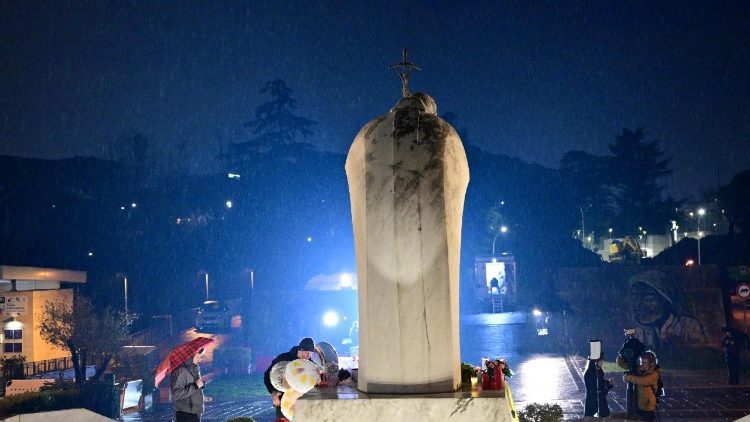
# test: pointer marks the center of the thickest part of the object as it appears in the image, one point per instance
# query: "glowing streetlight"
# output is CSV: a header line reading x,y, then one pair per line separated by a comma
x,y
330,319
228,204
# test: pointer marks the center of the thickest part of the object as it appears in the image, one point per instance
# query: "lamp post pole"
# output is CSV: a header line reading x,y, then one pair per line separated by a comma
x,y
583,227
206,286
701,213
125,284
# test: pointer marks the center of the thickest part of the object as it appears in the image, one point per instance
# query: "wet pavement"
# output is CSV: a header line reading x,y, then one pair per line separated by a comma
x,y
691,396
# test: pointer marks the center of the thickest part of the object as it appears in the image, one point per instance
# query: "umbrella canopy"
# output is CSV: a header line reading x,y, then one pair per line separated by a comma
x,y
178,356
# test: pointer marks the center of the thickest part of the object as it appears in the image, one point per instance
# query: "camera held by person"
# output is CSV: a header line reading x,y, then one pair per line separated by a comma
x,y
631,350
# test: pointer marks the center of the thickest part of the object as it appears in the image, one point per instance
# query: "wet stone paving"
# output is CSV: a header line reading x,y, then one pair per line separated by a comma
x,y
542,378
691,396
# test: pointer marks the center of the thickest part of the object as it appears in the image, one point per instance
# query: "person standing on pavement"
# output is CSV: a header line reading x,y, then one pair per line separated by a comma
x,y
591,405
646,386
732,343
596,389
302,351
187,389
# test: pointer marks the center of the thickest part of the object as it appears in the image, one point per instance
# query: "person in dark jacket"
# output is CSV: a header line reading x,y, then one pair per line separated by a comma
x,y
187,390
733,342
591,406
596,389
304,350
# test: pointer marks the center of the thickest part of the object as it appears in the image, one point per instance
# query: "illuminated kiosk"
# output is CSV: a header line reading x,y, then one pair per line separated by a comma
x,y
495,286
407,174
23,293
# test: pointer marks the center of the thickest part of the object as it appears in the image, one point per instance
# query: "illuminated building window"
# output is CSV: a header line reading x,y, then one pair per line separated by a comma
x,y
12,347
12,342
13,334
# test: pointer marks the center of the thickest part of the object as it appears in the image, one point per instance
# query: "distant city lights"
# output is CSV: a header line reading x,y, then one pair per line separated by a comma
x,y
229,204
233,175
689,263
309,239
91,254
133,205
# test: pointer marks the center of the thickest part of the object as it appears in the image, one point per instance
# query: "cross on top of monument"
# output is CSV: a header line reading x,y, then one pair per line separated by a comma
x,y
403,69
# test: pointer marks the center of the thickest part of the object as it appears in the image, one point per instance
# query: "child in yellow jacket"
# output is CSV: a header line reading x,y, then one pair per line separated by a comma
x,y
646,386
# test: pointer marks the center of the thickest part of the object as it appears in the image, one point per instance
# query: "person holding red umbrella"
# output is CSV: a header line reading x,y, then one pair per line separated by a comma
x,y
186,382
187,389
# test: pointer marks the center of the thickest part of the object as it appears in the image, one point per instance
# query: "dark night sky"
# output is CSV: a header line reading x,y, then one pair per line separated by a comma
x,y
528,80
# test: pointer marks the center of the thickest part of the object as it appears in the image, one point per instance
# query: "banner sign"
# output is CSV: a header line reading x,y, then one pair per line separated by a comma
x,y
13,305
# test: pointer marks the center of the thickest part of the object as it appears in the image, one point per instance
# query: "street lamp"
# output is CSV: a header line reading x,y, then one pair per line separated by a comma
x,y
503,229
701,213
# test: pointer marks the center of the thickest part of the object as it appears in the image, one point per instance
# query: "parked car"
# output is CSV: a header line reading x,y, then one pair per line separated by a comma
x,y
213,315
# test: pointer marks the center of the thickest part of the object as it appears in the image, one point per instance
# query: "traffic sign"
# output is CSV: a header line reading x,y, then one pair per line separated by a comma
x,y
743,290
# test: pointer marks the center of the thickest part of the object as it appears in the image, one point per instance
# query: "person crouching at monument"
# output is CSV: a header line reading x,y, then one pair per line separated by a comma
x,y
646,386
302,351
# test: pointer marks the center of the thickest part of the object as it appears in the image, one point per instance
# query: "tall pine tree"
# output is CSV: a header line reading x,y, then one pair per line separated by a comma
x,y
637,168
275,126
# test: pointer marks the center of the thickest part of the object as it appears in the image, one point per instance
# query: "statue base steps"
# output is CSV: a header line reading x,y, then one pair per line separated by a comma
x,y
345,403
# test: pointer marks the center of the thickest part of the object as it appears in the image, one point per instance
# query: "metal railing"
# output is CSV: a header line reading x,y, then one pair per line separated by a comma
x,y
32,369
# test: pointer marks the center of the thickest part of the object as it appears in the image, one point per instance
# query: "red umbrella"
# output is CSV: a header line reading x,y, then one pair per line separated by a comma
x,y
178,356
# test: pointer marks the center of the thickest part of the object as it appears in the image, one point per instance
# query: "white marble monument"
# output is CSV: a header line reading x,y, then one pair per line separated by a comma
x,y
408,175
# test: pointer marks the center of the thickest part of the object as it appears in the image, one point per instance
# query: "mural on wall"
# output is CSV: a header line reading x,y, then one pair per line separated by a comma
x,y
671,308
657,315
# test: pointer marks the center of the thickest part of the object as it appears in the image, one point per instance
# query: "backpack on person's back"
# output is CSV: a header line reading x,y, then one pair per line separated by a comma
x,y
659,390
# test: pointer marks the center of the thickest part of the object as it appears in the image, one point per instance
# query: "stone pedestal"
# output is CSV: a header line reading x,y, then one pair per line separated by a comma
x,y
344,403
408,174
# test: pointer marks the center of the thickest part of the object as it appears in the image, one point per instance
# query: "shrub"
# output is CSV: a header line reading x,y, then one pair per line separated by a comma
x,y
536,412
12,367
44,401
100,397
467,371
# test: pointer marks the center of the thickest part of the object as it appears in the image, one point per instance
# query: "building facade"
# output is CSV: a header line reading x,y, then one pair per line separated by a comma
x,y
23,293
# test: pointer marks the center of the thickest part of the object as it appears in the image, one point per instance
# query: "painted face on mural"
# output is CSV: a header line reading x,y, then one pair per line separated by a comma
x,y
648,306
